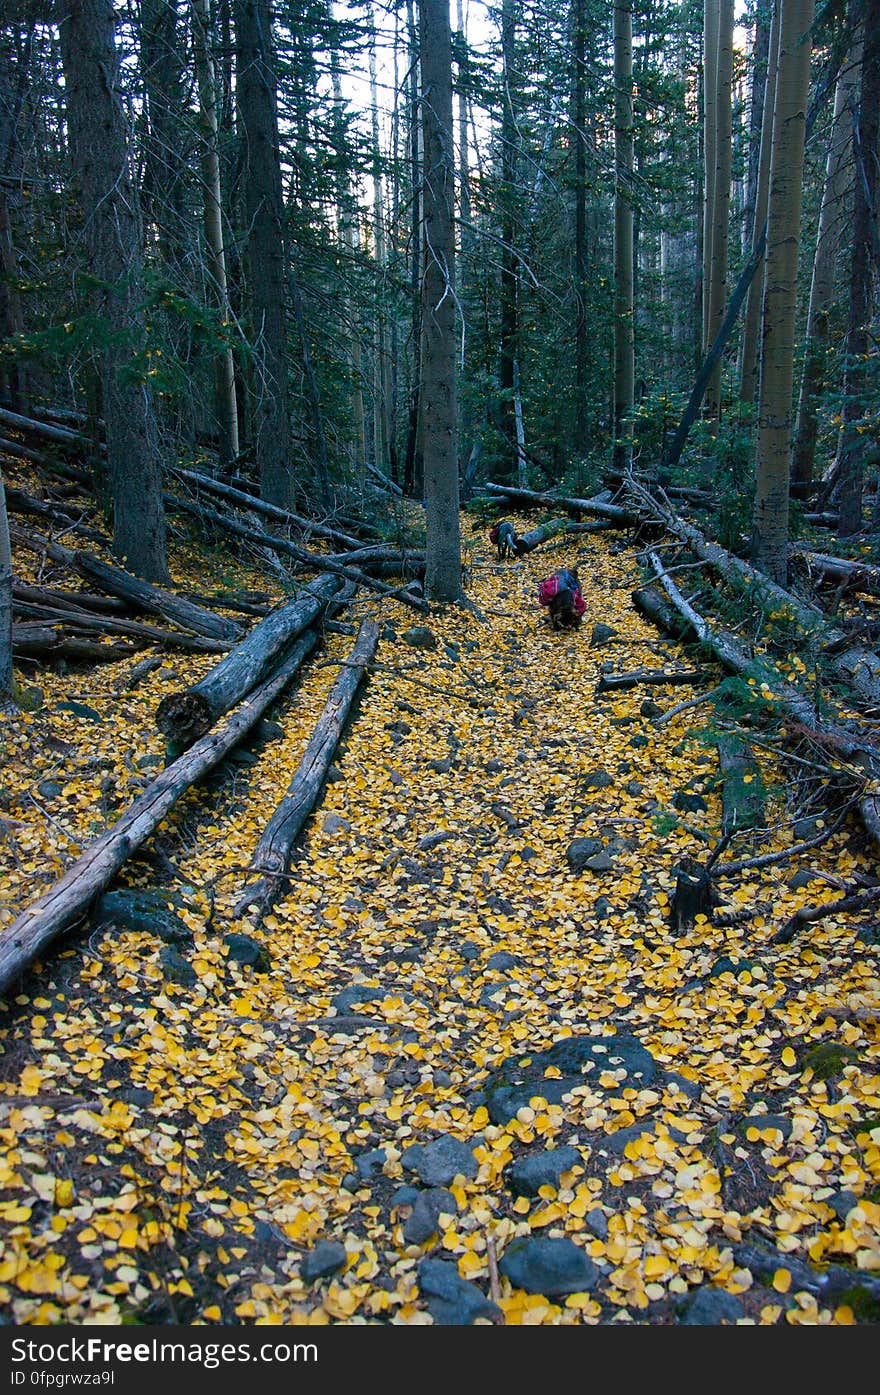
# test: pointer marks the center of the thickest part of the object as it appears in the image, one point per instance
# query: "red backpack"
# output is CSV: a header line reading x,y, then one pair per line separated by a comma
x,y
548,589
493,532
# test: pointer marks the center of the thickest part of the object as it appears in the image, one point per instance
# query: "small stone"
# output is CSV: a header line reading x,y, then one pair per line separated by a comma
x,y
327,1257
420,637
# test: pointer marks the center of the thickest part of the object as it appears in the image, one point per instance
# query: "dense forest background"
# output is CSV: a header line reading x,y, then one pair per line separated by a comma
x,y
656,247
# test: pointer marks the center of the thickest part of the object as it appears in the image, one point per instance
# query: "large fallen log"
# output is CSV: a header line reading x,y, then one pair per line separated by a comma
x,y
73,894
184,716
140,594
250,501
307,559
43,431
41,641
70,620
597,508
273,852
68,600
527,542
858,668
853,576
846,742
615,682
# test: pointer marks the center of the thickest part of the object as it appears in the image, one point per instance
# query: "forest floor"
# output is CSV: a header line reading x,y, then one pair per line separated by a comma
x,y
464,1081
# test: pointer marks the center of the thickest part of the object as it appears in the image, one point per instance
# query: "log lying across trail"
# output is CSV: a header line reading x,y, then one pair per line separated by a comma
x,y
527,542
250,501
848,743
140,594
597,508
858,668
184,716
272,855
307,559
73,894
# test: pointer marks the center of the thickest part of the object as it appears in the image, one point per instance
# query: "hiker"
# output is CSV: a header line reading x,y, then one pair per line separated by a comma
x,y
561,594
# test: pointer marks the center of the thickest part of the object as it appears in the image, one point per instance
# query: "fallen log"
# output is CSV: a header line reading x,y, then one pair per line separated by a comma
x,y
860,901
141,594
73,894
307,559
20,452
184,716
742,789
858,668
614,682
527,542
652,606
55,642
45,431
68,600
856,576
70,620
598,508
250,501
273,852
847,743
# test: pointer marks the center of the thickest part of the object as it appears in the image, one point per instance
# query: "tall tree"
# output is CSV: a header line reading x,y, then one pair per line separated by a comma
x,y
749,357
624,340
226,405
509,287
5,600
864,270
770,522
717,232
99,151
256,96
438,395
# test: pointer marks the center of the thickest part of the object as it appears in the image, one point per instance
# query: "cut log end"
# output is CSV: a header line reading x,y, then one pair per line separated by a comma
x,y
183,718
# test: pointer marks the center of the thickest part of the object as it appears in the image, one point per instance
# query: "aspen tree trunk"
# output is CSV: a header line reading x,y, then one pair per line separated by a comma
x,y
759,62
624,343
381,369
864,268
748,373
226,407
833,217
711,26
98,141
413,469
509,287
443,542
265,250
5,599
348,236
717,230
770,523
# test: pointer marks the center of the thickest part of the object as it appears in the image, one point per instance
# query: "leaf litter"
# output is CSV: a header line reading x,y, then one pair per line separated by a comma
x,y
188,1138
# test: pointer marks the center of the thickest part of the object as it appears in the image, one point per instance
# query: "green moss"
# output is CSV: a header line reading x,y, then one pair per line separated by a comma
x,y
865,1307
828,1060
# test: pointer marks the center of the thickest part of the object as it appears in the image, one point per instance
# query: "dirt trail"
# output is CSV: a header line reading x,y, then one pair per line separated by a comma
x,y
190,1138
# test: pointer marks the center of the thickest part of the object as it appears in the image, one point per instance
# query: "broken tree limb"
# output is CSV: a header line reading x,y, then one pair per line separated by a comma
x,y
73,894
856,576
250,501
807,914
140,594
858,668
848,744
527,542
41,641
612,682
307,559
69,619
68,600
742,789
652,606
597,508
44,431
273,852
184,716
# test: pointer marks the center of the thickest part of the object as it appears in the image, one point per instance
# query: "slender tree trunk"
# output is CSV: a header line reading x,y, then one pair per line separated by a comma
x,y
97,131
833,216
465,434
347,233
265,250
381,374
509,287
624,342
864,269
443,550
759,62
711,26
226,407
720,202
749,361
579,119
5,599
413,470
773,466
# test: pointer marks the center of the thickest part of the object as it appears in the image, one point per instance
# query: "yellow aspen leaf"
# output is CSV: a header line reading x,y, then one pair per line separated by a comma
x,y
782,1280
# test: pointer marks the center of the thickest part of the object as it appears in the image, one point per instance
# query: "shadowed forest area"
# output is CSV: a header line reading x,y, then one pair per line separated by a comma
x,y
439,675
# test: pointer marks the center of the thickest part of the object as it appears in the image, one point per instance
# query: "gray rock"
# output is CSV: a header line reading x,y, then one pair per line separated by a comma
x,y
580,849
406,1196
335,823
143,910
580,1059
356,993
420,637
689,802
368,1163
177,969
452,1301
601,634
803,878
423,1222
553,1267
805,829
440,767
712,1307
440,1162
502,960
616,1142
49,789
327,1257
842,1203
81,709
597,1223
681,1082
650,709
138,1096
596,780
243,949
602,862
528,1174
469,951
766,1121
